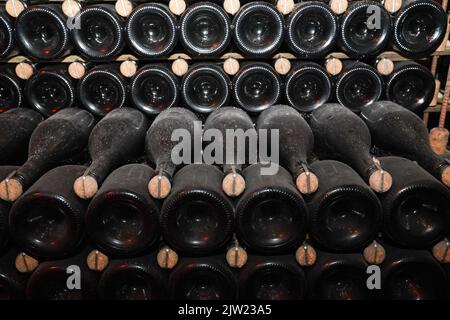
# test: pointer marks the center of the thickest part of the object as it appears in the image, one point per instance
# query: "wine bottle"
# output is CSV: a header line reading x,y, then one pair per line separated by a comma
x,y
102,89
50,281
311,29
205,87
47,221
41,32
133,279
307,86
272,278
419,27
60,137
151,30
115,139
17,126
50,89
122,219
396,129
339,277
159,146
358,85
410,85
10,89
4,211
12,283
412,275
344,214
153,89
7,39
416,209
207,278
256,87
341,135
99,35
205,29
271,214
296,143
258,29
197,217
365,28
231,118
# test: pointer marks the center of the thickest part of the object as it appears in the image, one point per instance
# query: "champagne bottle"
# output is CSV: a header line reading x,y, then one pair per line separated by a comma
x,y
48,219
115,139
400,131
296,143
159,146
207,278
344,214
417,208
197,217
341,135
122,219
17,127
272,278
61,136
12,283
11,95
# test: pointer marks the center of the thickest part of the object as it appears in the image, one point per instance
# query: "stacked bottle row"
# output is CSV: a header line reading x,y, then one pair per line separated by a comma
x,y
311,30
206,87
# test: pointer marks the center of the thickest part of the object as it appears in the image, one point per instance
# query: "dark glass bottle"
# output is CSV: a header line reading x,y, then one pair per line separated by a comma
x,y
17,126
7,37
411,85
339,277
256,87
258,29
412,275
358,85
100,32
12,282
344,214
417,208
151,30
365,28
341,135
271,214
50,89
205,29
398,130
311,29
4,211
50,280
154,89
117,138
122,219
197,217
58,138
133,279
10,89
419,27
307,86
207,278
295,143
41,32
272,278
205,87
102,89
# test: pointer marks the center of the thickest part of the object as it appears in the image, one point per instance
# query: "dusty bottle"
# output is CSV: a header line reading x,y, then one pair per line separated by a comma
x,y
116,139
197,217
159,146
417,208
11,95
60,137
122,219
344,213
17,127
398,130
341,135
4,210
296,143
231,118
